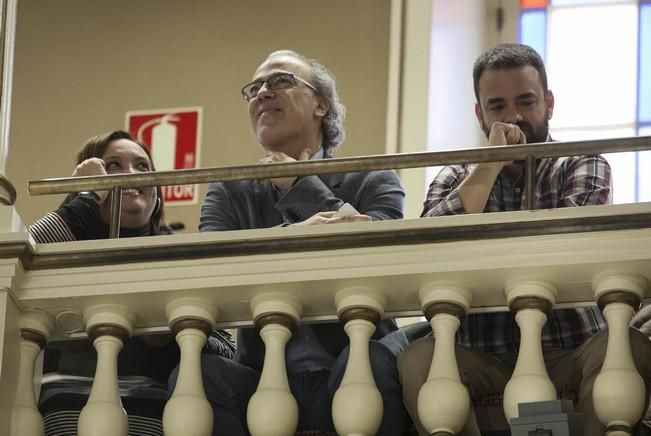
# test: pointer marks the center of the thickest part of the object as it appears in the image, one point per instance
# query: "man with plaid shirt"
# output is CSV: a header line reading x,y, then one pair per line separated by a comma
x,y
514,106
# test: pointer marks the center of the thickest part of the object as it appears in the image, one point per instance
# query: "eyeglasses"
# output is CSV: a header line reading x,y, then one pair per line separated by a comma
x,y
274,82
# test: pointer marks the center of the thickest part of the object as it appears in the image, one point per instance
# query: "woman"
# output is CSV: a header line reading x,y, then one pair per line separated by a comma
x,y
86,215
145,362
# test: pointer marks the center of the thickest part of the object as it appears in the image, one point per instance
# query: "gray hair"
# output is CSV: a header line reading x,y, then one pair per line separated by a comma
x,y
324,83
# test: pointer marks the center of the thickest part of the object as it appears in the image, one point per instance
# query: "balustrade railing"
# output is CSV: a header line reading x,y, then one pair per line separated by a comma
x,y
352,273
528,153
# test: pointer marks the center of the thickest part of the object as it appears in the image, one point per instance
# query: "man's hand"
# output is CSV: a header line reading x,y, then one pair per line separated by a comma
x,y
506,134
330,218
642,320
476,188
93,166
284,183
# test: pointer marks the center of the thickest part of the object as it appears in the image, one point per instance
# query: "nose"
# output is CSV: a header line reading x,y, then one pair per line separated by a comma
x,y
513,116
264,91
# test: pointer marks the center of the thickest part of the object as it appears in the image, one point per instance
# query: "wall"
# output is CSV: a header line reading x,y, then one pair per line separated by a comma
x,y
80,65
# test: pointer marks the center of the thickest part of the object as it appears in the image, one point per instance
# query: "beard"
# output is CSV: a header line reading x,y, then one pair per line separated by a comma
x,y
534,134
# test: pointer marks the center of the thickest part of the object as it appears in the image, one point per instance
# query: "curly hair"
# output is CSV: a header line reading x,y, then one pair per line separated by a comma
x,y
324,83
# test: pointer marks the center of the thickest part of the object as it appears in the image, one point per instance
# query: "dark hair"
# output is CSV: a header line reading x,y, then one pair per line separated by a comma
x,y
323,81
505,57
96,147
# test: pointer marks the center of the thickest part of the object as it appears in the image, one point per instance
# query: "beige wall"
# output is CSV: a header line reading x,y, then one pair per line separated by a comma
x,y
80,65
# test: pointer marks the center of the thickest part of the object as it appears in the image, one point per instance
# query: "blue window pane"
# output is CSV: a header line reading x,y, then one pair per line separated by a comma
x,y
644,89
533,30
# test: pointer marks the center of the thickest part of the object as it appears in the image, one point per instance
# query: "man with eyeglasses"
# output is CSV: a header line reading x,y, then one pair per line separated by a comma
x,y
295,114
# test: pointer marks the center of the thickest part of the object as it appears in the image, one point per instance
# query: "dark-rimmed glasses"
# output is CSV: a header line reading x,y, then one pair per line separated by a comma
x,y
275,81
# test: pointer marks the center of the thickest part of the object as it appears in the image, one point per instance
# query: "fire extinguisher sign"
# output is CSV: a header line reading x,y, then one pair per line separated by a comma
x,y
173,137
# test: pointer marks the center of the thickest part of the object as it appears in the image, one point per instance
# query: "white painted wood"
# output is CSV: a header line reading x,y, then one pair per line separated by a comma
x,y
618,393
10,354
311,277
357,406
188,412
103,414
530,381
192,308
443,401
117,315
360,297
272,410
569,260
276,302
26,419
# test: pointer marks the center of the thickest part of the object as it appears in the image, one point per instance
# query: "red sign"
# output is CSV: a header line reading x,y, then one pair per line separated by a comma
x,y
173,138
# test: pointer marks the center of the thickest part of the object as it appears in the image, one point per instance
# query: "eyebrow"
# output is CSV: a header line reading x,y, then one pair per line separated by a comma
x,y
526,95
494,100
137,159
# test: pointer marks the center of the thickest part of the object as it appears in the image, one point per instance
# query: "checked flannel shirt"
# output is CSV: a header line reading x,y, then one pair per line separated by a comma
x,y
561,182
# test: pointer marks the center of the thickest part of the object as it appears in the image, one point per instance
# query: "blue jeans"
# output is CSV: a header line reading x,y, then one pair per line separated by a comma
x,y
229,385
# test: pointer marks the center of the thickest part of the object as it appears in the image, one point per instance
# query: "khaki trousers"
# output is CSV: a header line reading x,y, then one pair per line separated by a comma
x,y
485,375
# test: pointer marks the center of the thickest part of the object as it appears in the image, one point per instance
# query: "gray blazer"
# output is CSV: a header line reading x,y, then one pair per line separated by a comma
x,y
246,205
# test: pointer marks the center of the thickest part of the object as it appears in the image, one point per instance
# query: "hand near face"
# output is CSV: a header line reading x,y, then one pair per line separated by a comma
x,y
642,320
506,134
90,167
284,183
330,218
93,166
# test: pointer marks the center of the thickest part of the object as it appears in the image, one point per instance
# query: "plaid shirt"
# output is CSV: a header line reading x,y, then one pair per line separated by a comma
x,y
562,182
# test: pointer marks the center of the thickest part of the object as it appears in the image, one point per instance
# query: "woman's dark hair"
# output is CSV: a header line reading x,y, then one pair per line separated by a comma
x,y
96,147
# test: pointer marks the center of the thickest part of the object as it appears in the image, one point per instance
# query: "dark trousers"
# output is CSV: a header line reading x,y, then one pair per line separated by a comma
x,y
229,386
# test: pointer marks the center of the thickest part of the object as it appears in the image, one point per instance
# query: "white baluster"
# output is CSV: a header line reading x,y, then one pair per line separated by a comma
x,y
443,401
35,328
530,300
618,393
272,410
357,405
188,412
103,415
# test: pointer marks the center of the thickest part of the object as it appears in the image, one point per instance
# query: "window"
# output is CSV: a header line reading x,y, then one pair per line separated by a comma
x,y
600,72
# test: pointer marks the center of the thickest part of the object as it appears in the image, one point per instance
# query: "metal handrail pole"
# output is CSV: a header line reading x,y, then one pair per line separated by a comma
x,y
116,207
530,181
339,165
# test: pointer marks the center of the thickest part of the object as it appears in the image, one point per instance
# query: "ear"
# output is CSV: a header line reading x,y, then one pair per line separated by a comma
x,y
478,113
549,102
322,107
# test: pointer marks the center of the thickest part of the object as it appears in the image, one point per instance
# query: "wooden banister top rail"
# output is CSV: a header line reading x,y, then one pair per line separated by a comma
x,y
481,252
